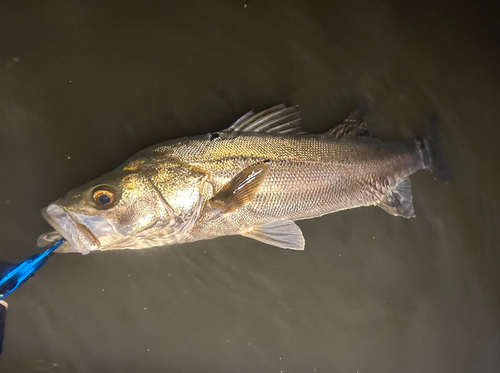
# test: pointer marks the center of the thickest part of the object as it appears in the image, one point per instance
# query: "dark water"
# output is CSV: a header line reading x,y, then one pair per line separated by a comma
x,y
84,85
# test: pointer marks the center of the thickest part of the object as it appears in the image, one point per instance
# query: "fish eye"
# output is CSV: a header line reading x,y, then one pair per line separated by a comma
x,y
103,197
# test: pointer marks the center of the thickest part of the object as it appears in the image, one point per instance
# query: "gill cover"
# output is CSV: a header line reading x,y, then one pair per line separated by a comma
x,y
180,187
158,200
163,197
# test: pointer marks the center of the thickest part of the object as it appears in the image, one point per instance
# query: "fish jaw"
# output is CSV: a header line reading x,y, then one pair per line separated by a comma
x,y
81,232
47,239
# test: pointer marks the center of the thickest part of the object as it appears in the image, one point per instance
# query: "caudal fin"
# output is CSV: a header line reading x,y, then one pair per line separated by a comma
x,y
433,154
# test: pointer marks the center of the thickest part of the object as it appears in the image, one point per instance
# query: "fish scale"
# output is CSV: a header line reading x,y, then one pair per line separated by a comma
x,y
310,175
254,179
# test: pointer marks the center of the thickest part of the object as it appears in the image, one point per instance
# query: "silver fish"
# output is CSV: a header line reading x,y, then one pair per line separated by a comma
x,y
253,179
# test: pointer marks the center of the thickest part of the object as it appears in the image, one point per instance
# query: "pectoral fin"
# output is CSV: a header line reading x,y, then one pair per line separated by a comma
x,y
399,201
285,234
241,189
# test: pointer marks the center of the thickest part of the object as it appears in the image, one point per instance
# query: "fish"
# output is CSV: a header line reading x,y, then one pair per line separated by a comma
x,y
255,179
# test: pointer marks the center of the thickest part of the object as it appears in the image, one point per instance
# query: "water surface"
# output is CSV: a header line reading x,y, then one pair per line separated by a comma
x,y
85,85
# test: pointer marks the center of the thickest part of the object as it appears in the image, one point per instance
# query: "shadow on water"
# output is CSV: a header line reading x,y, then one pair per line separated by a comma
x,y
83,86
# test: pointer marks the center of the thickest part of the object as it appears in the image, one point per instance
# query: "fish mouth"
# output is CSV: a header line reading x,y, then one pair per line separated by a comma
x,y
78,235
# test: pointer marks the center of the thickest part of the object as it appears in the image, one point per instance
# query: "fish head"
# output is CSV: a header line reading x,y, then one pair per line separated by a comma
x,y
146,202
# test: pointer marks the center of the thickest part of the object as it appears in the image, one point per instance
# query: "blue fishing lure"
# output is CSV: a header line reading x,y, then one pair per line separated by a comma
x,y
24,270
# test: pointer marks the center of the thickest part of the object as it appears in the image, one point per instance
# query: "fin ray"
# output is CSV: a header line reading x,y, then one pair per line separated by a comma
x,y
353,126
241,189
284,234
277,119
399,201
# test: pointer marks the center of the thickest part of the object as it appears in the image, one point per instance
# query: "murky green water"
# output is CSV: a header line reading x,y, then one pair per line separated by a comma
x,y
85,85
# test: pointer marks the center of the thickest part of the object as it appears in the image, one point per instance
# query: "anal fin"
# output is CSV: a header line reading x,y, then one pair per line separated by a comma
x,y
284,234
399,201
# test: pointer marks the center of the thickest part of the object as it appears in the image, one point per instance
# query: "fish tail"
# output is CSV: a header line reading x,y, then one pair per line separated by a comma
x,y
433,156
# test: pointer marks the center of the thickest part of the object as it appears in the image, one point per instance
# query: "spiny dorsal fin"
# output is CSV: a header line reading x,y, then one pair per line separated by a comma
x,y
399,201
284,233
278,119
352,126
241,189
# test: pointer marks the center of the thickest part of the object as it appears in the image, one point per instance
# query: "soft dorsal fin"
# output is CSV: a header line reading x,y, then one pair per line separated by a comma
x,y
278,119
352,126
241,189
284,233
399,201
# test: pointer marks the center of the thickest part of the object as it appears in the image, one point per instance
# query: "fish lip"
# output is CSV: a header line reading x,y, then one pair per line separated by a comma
x,y
77,234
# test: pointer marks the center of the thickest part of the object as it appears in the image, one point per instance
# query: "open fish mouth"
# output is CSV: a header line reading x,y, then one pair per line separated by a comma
x,y
78,235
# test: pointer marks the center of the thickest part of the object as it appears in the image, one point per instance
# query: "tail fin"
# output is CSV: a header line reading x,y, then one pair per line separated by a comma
x,y
433,154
